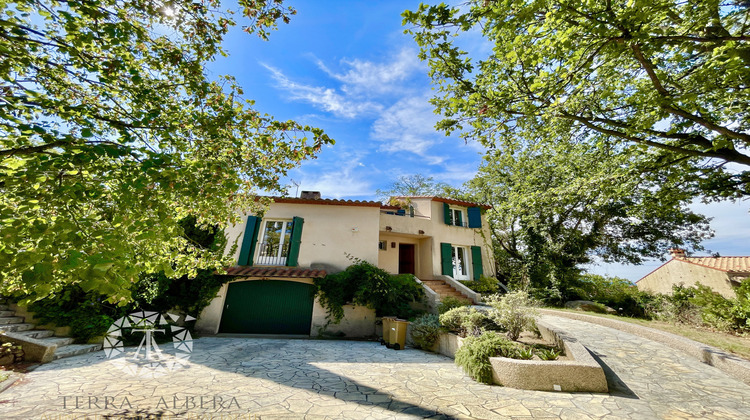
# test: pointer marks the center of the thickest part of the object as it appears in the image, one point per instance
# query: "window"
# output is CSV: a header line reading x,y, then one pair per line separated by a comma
x,y
460,259
457,217
383,245
274,244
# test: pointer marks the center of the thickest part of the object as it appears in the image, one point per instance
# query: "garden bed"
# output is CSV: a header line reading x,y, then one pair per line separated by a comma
x,y
576,372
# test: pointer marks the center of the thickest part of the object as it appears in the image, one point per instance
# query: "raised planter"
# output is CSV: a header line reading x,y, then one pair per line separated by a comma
x,y
581,374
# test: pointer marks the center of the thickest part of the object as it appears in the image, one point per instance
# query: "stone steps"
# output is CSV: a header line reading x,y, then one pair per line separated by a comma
x,y
75,350
11,320
16,327
443,289
64,346
37,333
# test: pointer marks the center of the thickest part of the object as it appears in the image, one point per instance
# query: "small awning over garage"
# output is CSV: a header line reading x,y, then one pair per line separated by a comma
x,y
274,272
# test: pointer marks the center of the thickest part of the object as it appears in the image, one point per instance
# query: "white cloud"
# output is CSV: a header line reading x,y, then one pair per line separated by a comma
x,y
326,99
367,77
408,126
350,179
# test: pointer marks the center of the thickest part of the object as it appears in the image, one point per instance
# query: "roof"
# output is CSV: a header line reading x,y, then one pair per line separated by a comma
x,y
293,272
326,201
730,265
727,264
450,201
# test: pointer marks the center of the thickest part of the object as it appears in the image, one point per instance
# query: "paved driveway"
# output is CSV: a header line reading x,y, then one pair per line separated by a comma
x,y
229,378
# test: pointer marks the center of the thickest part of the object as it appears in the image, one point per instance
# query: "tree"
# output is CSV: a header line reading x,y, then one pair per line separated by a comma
x,y
554,207
412,186
111,133
662,76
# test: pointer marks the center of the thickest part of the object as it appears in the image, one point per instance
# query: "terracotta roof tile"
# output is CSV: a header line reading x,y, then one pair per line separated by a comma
x,y
326,201
450,201
728,264
294,272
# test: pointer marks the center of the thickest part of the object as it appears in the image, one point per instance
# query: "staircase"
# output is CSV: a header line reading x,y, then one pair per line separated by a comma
x,y
444,289
11,323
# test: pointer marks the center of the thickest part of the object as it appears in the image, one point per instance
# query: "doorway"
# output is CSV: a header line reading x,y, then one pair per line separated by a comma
x,y
406,259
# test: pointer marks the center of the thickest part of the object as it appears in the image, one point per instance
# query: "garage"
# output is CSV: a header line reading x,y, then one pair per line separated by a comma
x,y
268,307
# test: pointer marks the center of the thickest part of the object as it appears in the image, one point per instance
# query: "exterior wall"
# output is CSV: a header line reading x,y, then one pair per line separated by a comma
x,y
429,219
687,274
209,320
458,235
358,322
330,233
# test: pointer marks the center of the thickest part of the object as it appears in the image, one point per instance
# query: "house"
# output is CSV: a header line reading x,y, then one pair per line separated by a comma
x,y
296,240
722,274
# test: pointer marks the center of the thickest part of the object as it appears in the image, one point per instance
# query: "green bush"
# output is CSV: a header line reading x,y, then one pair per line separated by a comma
x,y
449,302
157,292
466,321
474,355
615,292
364,284
425,331
483,285
514,312
87,314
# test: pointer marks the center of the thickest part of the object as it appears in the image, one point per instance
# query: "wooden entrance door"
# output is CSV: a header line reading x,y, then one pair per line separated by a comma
x,y
406,259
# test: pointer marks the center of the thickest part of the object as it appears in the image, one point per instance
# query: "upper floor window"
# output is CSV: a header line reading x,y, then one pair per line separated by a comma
x,y
274,242
457,216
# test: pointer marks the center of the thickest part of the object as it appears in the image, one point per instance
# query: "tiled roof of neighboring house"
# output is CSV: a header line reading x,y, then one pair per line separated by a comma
x,y
326,201
450,201
294,272
728,264
731,265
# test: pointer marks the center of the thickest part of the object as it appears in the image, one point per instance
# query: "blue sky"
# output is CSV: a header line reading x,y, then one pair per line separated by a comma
x,y
348,68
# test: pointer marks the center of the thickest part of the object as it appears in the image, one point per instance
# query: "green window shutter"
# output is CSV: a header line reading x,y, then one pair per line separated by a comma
x,y
460,221
447,214
446,258
476,261
296,240
249,241
475,217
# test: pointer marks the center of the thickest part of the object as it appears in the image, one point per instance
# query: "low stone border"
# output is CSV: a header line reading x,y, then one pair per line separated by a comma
x,y
728,363
583,374
34,350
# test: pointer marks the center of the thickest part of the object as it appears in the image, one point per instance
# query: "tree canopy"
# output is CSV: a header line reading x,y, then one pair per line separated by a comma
x,y
664,77
111,132
554,207
413,185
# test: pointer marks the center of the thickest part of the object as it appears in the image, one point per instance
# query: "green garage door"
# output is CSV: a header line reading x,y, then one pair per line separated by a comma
x,y
268,307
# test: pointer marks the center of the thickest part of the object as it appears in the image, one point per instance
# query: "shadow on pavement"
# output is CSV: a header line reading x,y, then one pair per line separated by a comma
x,y
617,387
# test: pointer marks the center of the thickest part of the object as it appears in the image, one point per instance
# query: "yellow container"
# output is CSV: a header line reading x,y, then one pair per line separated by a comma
x,y
398,333
387,323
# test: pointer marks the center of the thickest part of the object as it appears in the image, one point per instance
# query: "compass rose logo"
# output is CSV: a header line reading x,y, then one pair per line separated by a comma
x,y
148,359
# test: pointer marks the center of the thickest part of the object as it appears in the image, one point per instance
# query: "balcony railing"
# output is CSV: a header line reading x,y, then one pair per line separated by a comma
x,y
272,253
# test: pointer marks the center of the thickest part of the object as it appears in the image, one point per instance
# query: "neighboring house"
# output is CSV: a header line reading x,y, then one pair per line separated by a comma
x,y
722,274
297,240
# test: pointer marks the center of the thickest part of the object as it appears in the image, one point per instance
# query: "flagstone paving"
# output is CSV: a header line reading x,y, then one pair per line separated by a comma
x,y
268,378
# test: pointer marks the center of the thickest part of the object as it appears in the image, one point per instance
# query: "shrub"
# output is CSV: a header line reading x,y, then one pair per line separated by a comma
x,y
364,284
466,321
87,314
474,355
483,285
615,292
449,302
425,331
514,312
157,292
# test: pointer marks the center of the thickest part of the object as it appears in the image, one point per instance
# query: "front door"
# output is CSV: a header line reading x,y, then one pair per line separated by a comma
x,y
406,259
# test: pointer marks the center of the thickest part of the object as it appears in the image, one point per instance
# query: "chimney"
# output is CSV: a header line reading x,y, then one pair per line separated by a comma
x,y
310,195
677,253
